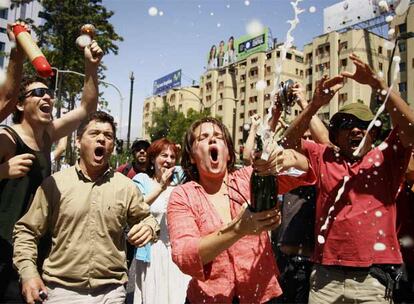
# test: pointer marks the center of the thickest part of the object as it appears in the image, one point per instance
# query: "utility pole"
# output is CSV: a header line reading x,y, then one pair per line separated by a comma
x,y
131,93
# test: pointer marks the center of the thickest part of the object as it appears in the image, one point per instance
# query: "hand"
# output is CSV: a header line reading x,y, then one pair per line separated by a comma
x,y
363,74
326,89
281,160
166,177
11,36
31,289
299,93
93,53
140,234
247,222
17,166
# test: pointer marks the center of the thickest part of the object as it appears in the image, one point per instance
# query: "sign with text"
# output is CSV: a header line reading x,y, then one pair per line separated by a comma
x,y
167,82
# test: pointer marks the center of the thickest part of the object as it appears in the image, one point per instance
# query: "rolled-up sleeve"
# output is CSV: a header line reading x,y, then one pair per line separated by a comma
x,y
139,212
184,234
27,232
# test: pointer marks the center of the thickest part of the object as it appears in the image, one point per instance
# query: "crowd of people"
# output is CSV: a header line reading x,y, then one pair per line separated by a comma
x,y
332,236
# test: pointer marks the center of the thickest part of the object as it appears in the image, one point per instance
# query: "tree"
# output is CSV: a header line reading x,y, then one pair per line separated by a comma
x,y
57,36
168,122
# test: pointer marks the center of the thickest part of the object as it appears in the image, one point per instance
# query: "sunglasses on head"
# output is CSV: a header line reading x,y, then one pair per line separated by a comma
x,y
39,92
349,124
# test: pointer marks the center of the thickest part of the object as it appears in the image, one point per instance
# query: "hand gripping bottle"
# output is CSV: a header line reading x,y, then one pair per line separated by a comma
x,y
263,189
32,51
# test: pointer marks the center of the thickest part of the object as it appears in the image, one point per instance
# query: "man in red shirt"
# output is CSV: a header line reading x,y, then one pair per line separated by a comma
x,y
356,247
214,237
139,163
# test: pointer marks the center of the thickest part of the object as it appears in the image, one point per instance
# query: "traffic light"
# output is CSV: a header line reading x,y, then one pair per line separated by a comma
x,y
119,146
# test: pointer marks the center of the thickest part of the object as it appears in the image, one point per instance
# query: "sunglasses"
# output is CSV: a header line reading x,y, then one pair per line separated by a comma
x,y
354,123
38,92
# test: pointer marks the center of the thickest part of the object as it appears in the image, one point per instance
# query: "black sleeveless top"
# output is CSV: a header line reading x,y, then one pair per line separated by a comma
x,y
17,194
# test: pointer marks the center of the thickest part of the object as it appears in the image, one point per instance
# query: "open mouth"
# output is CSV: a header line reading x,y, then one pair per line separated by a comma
x,y
214,154
354,142
99,152
45,108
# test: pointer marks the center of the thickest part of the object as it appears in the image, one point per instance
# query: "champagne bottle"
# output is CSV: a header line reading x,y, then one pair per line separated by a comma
x,y
263,189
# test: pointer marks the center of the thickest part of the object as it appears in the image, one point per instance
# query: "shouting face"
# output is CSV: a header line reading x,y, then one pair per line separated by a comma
x,y
37,104
209,151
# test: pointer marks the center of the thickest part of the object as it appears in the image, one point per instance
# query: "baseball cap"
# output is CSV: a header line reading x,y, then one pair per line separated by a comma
x,y
139,144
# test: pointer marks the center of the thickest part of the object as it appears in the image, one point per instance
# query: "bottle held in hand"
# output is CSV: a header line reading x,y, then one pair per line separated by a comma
x,y
263,189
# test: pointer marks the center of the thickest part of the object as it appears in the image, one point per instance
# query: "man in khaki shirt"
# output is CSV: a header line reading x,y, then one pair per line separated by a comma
x,y
85,208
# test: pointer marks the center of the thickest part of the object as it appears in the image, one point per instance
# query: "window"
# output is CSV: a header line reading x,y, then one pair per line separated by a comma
x,y
278,54
309,57
242,77
222,72
309,87
220,107
2,47
242,102
180,108
241,129
296,112
309,72
208,86
268,69
301,73
208,98
208,76
252,85
242,89
380,66
221,85
253,99
268,55
343,45
252,112
4,13
267,82
412,64
402,28
380,50
289,56
403,67
3,30
343,97
402,46
297,71
299,59
221,95
402,86
241,115
344,62
254,72
254,60
267,97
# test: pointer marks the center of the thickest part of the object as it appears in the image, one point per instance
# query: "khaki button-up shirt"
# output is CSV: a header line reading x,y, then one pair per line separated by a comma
x,y
86,220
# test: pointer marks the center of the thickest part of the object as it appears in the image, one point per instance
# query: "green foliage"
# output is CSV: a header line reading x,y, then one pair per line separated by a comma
x,y
169,123
57,36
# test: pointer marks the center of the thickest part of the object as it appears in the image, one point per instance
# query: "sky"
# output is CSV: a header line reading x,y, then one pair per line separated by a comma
x,y
161,36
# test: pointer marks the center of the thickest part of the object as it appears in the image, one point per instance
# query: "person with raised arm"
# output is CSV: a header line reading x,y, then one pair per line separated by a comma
x,y
25,152
215,238
357,245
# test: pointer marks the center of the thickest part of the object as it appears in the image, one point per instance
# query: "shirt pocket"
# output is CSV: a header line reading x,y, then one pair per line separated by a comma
x,y
115,215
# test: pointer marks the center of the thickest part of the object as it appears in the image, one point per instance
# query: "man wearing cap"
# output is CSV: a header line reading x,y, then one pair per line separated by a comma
x,y
139,163
356,251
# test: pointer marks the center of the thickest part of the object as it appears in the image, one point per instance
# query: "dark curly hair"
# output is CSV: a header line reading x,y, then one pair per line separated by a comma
x,y
190,170
97,116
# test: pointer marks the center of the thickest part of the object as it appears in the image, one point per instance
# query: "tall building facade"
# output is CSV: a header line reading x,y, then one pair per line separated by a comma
x,y
404,28
328,54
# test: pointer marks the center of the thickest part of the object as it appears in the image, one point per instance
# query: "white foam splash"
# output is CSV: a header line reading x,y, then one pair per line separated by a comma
x,y
261,85
247,2
153,11
378,123
406,241
161,13
391,32
378,213
321,239
219,24
383,5
396,60
379,246
254,27
332,208
389,18
312,9
389,45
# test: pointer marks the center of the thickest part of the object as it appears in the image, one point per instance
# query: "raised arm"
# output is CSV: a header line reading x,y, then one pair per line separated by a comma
x,y
400,112
68,123
325,90
9,91
320,133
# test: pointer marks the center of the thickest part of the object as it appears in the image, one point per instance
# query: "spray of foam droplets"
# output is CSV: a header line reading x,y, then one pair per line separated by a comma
x,y
379,246
247,2
396,61
264,130
261,85
161,13
153,11
389,18
389,45
254,27
391,32
312,9
383,5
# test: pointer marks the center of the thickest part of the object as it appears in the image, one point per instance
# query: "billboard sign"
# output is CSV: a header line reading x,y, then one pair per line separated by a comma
x,y
234,50
167,82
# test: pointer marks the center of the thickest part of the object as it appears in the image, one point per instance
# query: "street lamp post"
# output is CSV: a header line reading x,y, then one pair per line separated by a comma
x,y
131,93
202,106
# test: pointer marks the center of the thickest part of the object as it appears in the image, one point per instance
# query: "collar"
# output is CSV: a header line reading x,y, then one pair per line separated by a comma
x,y
84,176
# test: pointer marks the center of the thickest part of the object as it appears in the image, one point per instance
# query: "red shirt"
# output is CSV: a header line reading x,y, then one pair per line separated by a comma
x,y
405,222
247,269
361,229
131,172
